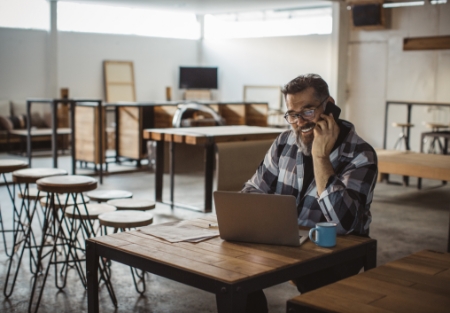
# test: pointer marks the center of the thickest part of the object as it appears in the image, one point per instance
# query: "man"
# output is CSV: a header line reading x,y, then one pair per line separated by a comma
x,y
323,163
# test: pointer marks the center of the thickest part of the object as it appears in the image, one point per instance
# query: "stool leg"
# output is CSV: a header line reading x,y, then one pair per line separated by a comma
x,y
29,243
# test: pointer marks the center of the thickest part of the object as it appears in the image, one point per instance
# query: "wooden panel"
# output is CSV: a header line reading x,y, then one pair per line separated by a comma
x,y
426,43
84,130
256,114
129,132
197,94
119,81
163,116
234,114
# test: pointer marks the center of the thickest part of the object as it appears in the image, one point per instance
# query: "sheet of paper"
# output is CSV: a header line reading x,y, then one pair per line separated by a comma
x,y
180,231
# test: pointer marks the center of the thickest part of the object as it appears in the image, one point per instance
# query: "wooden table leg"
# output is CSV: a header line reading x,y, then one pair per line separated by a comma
x,y
370,261
448,238
92,260
209,175
159,170
228,302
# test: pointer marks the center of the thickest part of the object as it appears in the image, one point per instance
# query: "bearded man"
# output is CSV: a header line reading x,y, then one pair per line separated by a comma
x,y
328,168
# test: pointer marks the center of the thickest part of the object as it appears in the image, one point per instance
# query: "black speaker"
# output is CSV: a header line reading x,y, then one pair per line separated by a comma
x,y
367,15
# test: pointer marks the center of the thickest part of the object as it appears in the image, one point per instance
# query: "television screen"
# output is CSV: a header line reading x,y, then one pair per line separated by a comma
x,y
198,77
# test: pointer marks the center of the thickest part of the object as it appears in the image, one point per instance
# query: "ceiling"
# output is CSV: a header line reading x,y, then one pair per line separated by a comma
x,y
213,6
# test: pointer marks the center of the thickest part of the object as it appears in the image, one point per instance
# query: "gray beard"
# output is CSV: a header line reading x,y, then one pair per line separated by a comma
x,y
304,148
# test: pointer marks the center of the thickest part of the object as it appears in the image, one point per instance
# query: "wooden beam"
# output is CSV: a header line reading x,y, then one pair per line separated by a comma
x,y
426,43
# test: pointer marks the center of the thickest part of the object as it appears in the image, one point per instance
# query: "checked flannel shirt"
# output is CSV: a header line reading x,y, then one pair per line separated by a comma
x,y
348,194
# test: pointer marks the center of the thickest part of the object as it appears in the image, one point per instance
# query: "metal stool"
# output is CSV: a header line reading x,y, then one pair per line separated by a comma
x,y
64,232
26,177
125,220
403,136
9,166
132,204
106,195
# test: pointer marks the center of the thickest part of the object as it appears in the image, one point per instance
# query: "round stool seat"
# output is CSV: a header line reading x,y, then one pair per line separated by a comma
x,y
132,204
62,201
106,195
126,219
32,194
402,125
67,184
10,165
94,210
31,175
436,126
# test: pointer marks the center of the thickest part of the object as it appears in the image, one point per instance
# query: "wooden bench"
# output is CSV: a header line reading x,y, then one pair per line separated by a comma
x,y
417,283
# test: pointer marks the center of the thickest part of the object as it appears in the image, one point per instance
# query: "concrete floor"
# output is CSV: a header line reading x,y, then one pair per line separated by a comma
x,y
405,220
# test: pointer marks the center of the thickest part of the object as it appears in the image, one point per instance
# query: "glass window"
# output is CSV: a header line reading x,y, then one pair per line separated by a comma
x,y
269,23
30,14
98,18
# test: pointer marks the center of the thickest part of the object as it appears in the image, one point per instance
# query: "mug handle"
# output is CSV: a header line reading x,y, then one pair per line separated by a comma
x,y
311,231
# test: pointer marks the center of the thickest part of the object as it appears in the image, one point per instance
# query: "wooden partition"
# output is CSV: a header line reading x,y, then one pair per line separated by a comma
x,y
133,118
87,139
163,116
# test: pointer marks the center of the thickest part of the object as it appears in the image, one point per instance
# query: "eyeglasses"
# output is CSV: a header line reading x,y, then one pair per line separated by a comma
x,y
306,115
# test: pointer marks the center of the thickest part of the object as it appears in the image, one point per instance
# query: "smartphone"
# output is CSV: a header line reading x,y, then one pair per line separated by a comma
x,y
332,108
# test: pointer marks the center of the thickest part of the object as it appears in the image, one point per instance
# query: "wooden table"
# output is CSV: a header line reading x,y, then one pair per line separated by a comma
x,y
229,270
41,132
417,283
204,136
407,163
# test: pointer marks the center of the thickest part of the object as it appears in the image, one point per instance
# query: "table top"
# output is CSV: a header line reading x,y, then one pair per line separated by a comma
x,y
223,261
417,283
216,134
432,166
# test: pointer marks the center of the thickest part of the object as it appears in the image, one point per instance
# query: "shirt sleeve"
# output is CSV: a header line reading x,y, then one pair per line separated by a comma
x,y
348,195
266,176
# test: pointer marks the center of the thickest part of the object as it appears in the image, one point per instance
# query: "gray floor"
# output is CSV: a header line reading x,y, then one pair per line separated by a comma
x,y
405,220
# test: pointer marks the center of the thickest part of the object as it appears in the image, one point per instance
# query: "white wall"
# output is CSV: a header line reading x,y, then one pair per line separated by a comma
x,y
266,61
259,61
380,70
156,62
22,63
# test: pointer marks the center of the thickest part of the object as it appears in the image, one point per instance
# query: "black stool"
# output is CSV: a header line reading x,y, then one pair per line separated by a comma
x,y
63,233
28,209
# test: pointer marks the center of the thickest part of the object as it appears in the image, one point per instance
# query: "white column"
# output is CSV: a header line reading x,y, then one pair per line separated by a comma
x,y
339,56
201,20
52,53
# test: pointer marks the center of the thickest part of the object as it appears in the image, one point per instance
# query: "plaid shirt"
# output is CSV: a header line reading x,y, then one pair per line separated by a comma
x,y
348,194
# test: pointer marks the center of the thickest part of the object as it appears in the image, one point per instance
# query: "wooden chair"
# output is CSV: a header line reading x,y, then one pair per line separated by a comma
x,y
106,195
125,220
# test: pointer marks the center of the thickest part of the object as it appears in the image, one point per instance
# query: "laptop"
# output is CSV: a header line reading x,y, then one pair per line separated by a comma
x,y
258,218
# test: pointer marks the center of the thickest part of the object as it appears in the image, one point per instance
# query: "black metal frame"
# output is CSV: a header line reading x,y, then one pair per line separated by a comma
x,y
54,103
230,297
409,105
159,173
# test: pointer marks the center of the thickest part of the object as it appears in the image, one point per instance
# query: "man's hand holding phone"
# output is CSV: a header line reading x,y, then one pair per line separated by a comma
x,y
326,132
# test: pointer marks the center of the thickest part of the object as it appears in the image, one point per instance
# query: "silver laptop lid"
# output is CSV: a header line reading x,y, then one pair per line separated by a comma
x,y
257,218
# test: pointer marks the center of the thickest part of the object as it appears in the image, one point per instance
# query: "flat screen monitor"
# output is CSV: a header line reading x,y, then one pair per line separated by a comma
x,y
198,77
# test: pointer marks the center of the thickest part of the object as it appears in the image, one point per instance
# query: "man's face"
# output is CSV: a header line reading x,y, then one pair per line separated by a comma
x,y
302,102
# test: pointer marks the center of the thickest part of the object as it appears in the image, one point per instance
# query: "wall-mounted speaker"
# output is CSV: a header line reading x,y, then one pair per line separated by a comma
x,y
367,14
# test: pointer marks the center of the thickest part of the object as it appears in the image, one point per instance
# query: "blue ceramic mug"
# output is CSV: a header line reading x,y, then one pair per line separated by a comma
x,y
325,234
